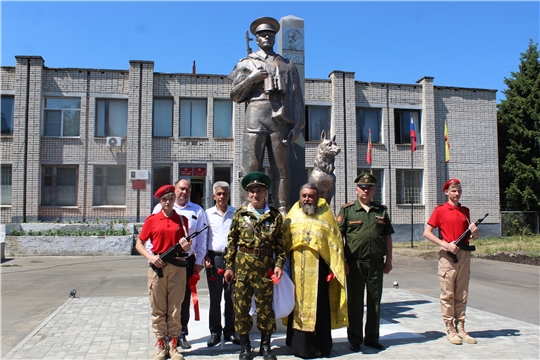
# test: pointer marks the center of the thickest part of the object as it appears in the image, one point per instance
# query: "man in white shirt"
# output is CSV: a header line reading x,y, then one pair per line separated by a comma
x,y
197,221
219,218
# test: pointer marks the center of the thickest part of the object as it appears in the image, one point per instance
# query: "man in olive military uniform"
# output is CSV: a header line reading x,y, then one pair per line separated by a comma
x,y
255,236
366,228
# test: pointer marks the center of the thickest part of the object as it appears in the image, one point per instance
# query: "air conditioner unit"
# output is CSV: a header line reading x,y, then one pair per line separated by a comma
x,y
114,141
138,174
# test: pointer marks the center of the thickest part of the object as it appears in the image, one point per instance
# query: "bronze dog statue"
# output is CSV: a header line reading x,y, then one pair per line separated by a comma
x,y
323,167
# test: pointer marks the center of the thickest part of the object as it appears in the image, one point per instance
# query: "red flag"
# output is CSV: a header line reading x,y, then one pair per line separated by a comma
x,y
413,136
369,148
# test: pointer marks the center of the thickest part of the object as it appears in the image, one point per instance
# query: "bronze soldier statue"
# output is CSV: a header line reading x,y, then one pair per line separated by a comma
x,y
270,86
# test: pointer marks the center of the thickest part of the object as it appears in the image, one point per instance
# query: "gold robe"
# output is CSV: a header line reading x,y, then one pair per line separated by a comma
x,y
309,238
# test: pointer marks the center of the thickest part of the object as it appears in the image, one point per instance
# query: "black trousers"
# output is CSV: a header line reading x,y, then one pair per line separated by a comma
x,y
184,314
217,287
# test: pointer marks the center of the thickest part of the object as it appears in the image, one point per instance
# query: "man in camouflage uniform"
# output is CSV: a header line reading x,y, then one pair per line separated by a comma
x,y
368,251
256,235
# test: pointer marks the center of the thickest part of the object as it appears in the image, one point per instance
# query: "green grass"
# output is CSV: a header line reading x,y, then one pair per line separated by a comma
x,y
528,245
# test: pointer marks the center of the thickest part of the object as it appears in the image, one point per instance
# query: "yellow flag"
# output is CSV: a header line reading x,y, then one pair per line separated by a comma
x,y
446,143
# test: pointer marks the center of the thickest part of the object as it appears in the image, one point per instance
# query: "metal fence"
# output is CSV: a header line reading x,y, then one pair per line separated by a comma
x,y
519,223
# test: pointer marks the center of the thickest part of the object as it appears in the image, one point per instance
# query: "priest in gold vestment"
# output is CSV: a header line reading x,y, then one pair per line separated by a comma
x,y
315,249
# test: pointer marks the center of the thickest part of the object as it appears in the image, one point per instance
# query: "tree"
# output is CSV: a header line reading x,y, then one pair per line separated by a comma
x,y
518,118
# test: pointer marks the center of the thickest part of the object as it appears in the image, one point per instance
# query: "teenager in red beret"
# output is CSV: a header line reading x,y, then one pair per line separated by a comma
x,y
166,229
452,219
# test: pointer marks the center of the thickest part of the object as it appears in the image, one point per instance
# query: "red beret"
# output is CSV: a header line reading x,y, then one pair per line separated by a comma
x,y
450,182
165,189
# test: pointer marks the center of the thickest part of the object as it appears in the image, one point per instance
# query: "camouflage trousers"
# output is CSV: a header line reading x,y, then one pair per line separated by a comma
x,y
252,278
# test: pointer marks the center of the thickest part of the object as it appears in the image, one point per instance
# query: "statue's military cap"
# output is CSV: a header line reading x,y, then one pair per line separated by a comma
x,y
165,189
264,23
365,179
256,178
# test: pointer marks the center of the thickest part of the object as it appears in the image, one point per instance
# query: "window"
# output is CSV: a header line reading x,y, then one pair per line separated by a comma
x,y
5,189
109,185
161,175
317,120
368,119
7,115
111,117
62,117
378,173
193,117
402,122
222,118
163,117
409,186
59,186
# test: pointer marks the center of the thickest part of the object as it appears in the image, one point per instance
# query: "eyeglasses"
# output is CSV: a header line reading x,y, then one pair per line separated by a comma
x,y
365,187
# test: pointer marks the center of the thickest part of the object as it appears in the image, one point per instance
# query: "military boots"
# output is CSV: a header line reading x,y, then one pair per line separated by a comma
x,y
463,335
451,334
162,353
266,351
245,347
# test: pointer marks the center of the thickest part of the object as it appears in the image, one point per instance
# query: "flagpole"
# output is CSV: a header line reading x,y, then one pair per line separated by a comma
x,y
412,198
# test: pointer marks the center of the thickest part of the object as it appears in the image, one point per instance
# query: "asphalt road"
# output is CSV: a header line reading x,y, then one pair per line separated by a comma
x,y
34,287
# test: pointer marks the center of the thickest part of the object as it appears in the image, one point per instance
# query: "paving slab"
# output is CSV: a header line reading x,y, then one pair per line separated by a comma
x,y
411,328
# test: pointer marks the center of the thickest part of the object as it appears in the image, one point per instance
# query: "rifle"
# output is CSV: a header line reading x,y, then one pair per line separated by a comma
x,y
467,234
248,39
171,253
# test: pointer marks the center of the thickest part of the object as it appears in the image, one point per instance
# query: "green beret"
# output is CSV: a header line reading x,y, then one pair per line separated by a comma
x,y
256,178
365,179
264,23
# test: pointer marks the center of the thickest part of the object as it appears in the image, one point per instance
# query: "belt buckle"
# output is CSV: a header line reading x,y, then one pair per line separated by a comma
x,y
257,251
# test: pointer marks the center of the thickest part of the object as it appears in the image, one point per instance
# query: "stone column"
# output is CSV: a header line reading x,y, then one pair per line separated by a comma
x,y
26,172
291,46
139,136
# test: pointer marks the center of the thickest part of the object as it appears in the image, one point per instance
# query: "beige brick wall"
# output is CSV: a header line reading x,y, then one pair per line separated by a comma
x,y
470,113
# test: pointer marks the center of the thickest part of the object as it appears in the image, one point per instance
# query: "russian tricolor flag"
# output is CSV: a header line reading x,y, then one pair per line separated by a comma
x,y
413,136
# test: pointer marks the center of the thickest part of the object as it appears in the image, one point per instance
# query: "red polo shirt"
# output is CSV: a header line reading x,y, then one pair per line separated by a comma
x,y
165,232
451,220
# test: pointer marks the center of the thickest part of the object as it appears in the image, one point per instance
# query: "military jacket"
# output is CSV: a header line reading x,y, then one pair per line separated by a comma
x,y
270,235
364,232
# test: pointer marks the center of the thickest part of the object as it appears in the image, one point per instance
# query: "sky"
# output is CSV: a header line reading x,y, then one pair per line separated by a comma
x,y
462,43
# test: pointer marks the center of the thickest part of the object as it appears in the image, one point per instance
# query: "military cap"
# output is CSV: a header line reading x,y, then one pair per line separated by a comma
x,y
264,23
450,182
256,178
365,179
165,189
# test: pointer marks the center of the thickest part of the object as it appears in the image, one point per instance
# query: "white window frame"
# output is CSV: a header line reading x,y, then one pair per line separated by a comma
x,y
6,181
65,114
193,114
223,110
313,128
162,121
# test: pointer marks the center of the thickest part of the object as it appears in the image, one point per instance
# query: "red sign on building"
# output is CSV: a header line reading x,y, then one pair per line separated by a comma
x,y
186,171
200,171
138,184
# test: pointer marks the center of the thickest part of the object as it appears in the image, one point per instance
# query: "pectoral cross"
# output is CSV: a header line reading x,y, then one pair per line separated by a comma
x,y
308,238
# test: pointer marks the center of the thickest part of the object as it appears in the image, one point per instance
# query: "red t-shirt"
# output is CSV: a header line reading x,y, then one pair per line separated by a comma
x,y
451,220
165,232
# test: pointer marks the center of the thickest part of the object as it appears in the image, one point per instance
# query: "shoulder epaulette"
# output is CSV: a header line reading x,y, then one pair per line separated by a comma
x,y
348,204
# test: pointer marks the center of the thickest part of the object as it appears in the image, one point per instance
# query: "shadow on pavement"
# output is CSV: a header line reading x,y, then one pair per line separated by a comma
x,y
396,310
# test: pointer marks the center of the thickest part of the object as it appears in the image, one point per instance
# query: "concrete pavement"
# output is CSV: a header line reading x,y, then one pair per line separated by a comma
x,y
96,326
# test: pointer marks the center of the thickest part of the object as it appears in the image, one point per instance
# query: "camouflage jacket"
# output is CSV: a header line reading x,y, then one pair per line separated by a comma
x,y
270,235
